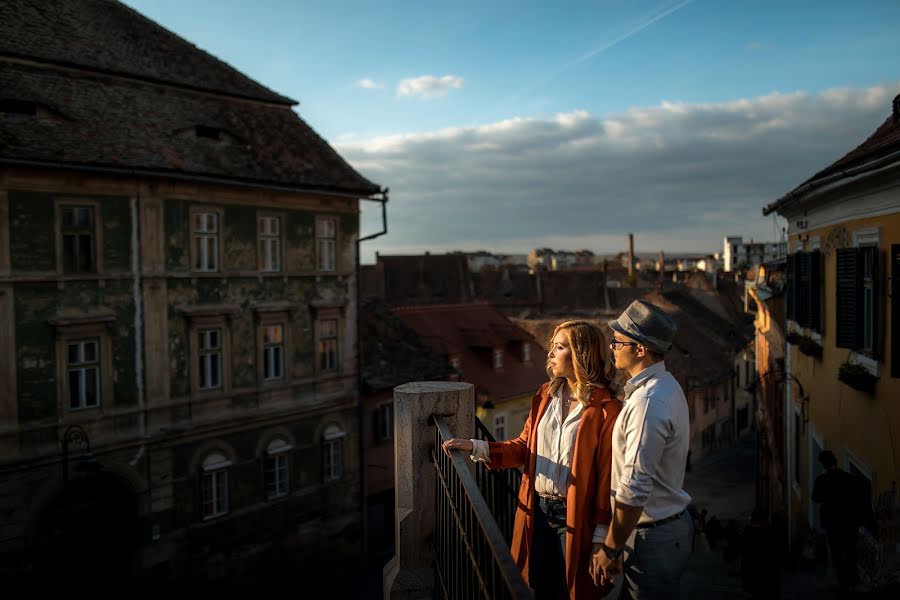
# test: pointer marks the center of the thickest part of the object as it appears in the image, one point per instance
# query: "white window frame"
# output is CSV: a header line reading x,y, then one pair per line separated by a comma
x,y
328,347
83,368
326,244
268,228
78,231
867,237
273,353
500,426
207,356
276,469
498,358
526,352
205,230
813,459
333,453
214,486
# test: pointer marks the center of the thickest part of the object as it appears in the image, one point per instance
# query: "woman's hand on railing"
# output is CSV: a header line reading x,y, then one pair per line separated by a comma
x,y
458,444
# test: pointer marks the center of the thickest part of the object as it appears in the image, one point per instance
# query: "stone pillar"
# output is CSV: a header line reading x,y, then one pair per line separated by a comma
x,y
409,575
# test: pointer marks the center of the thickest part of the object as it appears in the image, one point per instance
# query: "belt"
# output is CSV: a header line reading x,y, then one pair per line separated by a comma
x,y
659,522
552,498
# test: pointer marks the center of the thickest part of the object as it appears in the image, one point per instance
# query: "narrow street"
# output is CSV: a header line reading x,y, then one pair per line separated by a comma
x,y
722,483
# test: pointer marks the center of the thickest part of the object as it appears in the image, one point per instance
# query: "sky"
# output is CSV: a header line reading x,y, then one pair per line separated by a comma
x,y
505,126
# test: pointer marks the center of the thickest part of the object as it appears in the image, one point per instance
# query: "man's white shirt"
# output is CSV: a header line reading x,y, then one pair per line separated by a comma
x,y
650,445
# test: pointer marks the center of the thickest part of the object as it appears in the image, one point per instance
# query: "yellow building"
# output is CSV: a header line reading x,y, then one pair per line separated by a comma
x,y
842,359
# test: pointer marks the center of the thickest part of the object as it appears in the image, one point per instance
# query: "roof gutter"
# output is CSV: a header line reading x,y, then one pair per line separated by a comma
x,y
817,183
16,162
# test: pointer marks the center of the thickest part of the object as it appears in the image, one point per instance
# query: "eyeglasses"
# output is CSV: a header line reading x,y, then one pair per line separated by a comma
x,y
616,344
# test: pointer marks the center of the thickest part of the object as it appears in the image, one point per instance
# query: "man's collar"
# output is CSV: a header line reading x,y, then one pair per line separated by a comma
x,y
643,377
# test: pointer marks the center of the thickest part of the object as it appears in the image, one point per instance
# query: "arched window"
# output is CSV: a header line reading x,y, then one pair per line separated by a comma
x,y
276,467
333,452
214,485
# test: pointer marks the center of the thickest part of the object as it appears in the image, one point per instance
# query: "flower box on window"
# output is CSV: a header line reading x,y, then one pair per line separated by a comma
x,y
858,377
806,344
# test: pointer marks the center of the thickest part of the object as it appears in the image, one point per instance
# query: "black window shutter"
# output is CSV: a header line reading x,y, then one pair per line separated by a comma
x,y
848,321
803,290
895,310
815,291
877,303
791,287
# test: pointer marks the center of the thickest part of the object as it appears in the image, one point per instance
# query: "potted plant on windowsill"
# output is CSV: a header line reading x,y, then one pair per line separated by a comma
x,y
805,344
858,377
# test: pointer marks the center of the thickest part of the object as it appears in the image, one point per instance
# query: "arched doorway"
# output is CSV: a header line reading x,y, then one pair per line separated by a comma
x,y
90,525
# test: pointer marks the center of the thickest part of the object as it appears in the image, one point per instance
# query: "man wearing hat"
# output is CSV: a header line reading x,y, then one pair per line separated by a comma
x,y
649,539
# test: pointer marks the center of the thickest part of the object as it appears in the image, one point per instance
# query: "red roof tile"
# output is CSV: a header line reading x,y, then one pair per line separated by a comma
x,y
472,331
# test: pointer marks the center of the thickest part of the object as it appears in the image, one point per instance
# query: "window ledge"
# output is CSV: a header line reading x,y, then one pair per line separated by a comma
x,y
208,310
872,365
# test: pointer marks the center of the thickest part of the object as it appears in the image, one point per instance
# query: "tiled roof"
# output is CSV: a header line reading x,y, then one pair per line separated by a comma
x,y
883,142
89,121
464,329
392,352
105,35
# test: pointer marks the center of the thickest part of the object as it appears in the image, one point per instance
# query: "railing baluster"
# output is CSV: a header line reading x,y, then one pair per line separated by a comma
x,y
471,545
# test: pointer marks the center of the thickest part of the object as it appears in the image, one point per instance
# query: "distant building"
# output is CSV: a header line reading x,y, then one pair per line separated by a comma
x,y
504,362
391,354
737,254
178,258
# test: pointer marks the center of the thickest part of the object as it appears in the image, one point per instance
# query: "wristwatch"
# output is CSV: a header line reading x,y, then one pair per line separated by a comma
x,y
611,553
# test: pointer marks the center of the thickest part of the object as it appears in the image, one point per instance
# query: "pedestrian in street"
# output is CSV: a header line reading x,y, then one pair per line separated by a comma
x,y
841,496
651,532
566,446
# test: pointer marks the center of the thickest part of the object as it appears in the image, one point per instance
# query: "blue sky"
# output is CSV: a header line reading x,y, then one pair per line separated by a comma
x,y
442,74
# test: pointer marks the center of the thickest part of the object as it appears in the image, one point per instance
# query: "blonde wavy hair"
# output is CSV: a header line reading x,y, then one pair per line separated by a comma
x,y
590,359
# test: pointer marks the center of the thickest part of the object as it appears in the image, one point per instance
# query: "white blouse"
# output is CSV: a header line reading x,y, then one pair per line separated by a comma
x,y
555,450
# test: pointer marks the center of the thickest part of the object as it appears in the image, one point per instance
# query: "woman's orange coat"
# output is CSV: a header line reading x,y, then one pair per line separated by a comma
x,y
587,497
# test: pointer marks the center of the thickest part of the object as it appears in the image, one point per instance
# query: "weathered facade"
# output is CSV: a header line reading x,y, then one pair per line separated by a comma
x,y
178,259
843,329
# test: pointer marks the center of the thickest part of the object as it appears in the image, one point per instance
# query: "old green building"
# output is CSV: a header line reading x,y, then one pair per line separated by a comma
x,y
178,305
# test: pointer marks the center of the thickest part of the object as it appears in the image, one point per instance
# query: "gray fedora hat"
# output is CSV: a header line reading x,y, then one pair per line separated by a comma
x,y
648,325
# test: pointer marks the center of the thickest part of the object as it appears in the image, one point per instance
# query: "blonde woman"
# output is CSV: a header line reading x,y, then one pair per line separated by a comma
x,y
565,447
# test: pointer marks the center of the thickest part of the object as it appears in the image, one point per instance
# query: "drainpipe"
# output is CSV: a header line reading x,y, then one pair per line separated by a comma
x,y
138,329
788,426
360,411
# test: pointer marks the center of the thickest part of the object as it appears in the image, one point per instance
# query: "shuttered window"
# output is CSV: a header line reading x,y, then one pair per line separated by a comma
x,y
895,310
804,289
790,301
859,315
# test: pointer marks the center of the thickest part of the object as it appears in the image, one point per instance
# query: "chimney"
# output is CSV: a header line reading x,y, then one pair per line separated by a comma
x,y
631,254
896,109
662,262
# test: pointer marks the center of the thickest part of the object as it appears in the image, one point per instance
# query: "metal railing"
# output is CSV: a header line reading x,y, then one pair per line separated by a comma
x,y
472,558
500,488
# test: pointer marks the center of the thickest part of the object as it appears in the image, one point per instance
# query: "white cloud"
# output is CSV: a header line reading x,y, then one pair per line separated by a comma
x,y
369,84
680,176
428,86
